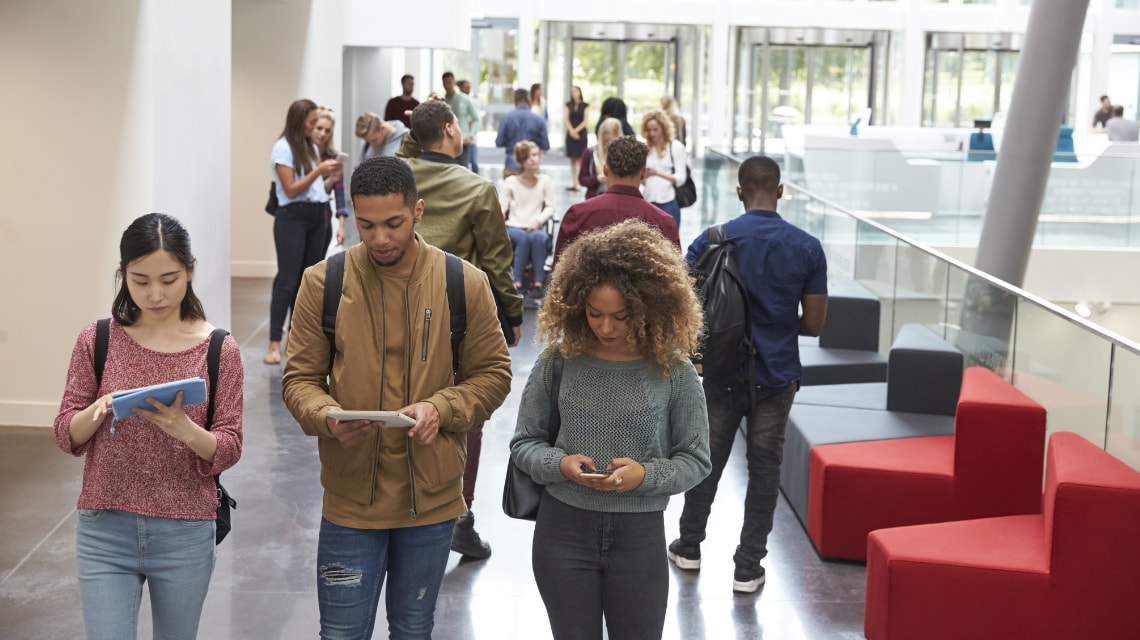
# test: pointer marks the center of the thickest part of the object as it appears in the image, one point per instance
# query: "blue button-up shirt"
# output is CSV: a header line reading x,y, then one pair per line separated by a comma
x,y
780,263
518,125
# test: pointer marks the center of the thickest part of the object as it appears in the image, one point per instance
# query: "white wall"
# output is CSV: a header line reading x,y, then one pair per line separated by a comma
x,y
114,109
283,51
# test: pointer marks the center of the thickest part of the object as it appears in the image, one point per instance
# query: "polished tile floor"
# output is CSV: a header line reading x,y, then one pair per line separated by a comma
x,y
264,583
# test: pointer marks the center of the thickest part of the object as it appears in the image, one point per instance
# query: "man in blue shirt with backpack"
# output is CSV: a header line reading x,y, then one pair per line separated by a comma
x,y
782,267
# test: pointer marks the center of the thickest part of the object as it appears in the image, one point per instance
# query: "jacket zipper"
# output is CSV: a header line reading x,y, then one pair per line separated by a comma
x,y
427,326
407,388
380,400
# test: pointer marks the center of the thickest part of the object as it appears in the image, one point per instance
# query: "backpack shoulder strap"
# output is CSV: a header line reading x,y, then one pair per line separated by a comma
x,y
457,301
334,283
717,234
102,338
213,362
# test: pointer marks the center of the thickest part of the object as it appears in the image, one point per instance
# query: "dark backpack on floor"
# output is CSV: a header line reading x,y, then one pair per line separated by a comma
x,y
213,358
726,344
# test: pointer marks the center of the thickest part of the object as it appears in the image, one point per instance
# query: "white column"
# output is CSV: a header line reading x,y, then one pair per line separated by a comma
x,y
1101,24
914,63
131,115
720,84
527,21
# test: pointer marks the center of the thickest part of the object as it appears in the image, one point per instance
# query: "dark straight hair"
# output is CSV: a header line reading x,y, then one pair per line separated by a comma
x,y
146,235
304,157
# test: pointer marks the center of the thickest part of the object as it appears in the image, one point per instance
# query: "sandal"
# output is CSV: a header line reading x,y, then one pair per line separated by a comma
x,y
273,356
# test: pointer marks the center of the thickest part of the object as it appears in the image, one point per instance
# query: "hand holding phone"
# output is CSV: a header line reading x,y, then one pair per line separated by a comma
x,y
590,472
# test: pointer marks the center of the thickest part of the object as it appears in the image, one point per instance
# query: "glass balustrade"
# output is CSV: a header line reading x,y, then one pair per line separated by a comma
x,y
1086,377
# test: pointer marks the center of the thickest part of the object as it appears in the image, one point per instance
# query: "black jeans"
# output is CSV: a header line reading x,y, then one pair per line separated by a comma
x,y
766,418
301,234
590,563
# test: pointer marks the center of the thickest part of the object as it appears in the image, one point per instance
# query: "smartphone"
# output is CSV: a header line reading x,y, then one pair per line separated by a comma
x,y
587,472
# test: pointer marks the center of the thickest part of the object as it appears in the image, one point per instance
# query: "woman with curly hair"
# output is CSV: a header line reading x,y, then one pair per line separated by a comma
x,y
620,320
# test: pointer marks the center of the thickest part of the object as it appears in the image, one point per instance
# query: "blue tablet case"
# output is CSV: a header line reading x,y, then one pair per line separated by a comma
x,y
193,392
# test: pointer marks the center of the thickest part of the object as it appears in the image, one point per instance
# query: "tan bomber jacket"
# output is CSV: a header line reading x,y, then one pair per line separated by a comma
x,y
436,471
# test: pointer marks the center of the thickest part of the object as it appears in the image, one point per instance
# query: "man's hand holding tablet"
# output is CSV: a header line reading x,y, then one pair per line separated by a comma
x,y
350,427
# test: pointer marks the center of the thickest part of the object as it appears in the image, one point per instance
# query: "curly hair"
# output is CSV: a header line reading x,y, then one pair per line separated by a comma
x,y
665,317
626,155
663,121
382,176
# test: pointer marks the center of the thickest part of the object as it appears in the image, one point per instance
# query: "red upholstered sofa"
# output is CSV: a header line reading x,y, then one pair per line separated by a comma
x,y
1071,572
991,466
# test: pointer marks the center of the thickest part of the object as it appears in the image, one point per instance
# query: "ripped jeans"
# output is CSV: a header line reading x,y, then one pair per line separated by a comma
x,y
351,567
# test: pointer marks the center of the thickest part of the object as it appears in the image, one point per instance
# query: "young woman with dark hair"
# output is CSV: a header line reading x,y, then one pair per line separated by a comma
x,y
299,226
148,501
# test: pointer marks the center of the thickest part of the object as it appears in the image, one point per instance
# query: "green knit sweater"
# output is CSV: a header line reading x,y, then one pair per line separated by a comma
x,y
616,410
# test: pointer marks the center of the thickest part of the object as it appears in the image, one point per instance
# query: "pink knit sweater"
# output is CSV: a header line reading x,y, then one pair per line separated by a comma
x,y
141,469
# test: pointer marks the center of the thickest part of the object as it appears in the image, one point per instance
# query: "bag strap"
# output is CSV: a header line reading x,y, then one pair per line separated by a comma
x,y
334,283
555,420
213,362
102,337
456,300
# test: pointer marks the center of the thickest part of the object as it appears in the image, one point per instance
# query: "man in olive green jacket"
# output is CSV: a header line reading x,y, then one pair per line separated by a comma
x,y
462,215
392,495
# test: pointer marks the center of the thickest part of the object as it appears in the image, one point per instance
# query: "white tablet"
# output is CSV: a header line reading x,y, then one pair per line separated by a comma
x,y
389,418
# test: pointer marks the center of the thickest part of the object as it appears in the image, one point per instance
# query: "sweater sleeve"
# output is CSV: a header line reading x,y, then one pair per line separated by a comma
x,y
689,460
79,392
228,410
547,211
530,446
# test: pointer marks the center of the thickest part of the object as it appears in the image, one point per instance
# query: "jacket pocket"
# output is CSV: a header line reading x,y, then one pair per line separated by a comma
x,y
443,462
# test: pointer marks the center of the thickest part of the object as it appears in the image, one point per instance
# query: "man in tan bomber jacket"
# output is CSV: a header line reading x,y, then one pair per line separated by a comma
x,y
391,494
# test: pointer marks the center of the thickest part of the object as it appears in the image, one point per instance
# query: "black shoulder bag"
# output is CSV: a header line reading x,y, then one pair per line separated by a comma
x,y
686,193
521,494
213,358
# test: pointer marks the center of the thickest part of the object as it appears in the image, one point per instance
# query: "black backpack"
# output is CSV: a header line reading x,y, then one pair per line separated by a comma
x,y
456,299
224,523
726,344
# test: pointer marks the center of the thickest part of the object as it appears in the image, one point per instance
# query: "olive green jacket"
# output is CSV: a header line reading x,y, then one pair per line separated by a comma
x,y
462,215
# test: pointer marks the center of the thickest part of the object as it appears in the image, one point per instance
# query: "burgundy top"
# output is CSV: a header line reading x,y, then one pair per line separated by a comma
x,y
141,469
616,204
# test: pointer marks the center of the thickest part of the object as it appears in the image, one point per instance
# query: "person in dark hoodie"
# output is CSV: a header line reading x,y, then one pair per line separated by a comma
x,y
614,107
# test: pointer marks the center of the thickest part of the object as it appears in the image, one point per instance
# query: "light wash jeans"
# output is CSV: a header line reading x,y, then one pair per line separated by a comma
x,y
766,419
118,551
671,208
530,248
352,565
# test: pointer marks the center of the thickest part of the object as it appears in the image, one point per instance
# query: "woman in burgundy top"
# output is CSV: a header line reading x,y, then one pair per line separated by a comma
x,y
148,501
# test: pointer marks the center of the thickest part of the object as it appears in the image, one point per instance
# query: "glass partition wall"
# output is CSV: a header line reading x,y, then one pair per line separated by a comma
x,y
805,76
1084,376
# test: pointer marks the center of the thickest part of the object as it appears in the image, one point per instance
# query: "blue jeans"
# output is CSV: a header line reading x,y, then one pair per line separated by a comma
x,y
351,567
301,235
117,551
590,564
766,417
671,208
474,157
530,248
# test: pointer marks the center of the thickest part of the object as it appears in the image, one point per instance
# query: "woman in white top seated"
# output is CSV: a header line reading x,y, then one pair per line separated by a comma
x,y
528,202
666,164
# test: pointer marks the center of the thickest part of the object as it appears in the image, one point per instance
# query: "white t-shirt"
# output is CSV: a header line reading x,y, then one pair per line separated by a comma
x,y
658,189
283,155
526,206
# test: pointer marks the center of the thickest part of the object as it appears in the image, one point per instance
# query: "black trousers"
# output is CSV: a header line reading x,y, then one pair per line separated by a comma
x,y
301,233
590,564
